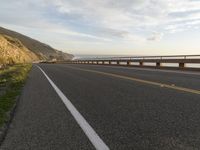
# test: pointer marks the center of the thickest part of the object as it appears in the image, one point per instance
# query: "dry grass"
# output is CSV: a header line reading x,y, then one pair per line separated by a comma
x,y
11,82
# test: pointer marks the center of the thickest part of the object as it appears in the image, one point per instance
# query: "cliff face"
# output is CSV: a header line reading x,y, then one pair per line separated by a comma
x,y
43,51
13,51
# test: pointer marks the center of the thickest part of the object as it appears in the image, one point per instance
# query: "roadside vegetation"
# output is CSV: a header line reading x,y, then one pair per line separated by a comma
x,y
12,79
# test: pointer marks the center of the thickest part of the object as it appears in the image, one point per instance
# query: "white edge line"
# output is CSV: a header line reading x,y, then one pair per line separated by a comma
x,y
88,130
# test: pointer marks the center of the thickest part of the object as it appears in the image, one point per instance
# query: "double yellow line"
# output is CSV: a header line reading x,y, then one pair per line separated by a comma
x,y
141,80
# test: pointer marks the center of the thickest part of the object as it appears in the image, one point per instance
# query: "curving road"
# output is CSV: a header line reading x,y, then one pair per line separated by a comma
x,y
126,108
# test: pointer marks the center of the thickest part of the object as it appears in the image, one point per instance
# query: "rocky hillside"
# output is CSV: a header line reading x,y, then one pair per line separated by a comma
x,y
13,51
43,51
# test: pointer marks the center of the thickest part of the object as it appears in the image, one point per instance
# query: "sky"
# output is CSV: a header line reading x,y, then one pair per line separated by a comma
x,y
108,27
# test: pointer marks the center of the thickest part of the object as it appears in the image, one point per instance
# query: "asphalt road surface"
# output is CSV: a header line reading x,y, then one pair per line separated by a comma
x,y
127,108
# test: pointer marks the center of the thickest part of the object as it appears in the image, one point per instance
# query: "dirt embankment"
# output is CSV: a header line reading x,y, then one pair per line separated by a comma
x,y
13,51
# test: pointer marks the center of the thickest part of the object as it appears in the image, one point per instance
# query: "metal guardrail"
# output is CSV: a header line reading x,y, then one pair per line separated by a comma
x,y
181,60
145,57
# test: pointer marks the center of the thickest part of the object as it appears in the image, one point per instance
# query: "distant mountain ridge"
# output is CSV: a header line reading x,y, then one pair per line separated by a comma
x,y
41,50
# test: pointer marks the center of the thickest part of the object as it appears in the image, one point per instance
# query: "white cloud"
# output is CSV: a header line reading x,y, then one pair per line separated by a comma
x,y
155,36
104,20
130,14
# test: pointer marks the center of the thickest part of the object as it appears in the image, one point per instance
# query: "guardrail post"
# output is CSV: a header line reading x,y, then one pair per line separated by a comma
x,y
181,65
128,63
118,63
158,64
109,62
141,63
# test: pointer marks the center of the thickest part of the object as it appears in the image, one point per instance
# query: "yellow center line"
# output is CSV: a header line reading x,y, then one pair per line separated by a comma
x,y
141,80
